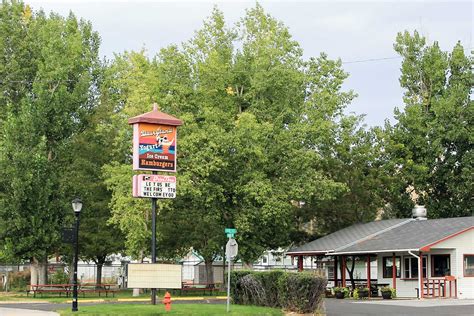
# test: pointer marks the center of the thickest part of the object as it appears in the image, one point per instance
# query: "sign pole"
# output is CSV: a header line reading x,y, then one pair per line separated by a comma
x,y
153,242
231,249
228,284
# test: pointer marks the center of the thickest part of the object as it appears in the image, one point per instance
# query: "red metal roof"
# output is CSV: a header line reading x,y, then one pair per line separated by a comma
x,y
156,117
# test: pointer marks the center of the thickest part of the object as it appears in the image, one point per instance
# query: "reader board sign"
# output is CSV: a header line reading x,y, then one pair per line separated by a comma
x,y
154,276
154,147
154,186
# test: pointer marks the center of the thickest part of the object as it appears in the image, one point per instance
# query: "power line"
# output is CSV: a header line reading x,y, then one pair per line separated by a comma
x,y
342,62
370,60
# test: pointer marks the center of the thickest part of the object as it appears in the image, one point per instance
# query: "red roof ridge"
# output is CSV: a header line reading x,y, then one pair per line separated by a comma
x,y
156,117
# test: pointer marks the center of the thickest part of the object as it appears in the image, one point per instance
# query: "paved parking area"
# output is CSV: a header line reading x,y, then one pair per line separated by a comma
x,y
399,307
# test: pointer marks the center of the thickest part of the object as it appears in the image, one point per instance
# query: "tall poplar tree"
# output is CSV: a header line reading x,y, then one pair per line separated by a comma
x,y
48,68
431,145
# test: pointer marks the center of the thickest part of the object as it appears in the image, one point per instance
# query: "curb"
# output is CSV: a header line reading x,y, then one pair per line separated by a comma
x,y
191,298
23,302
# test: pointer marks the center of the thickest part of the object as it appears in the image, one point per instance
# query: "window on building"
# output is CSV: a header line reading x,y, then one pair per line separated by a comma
x,y
410,267
330,273
469,265
440,265
265,260
387,266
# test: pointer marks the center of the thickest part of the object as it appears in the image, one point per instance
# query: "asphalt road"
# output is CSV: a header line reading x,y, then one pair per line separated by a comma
x,y
348,307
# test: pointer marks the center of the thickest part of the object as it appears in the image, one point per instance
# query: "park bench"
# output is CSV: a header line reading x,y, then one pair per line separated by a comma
x,y
50,288
98,288
198,287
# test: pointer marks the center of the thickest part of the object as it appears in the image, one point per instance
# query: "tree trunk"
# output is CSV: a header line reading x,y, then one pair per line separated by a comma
x,y
209,271
33,271
136,292
98,280
351,272
99,261
43,271
70,271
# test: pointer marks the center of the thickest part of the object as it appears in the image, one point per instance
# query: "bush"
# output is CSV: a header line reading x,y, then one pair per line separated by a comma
x,y
19,281
60,277
298,292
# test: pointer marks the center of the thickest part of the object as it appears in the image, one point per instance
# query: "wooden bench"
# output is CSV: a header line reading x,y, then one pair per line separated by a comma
x,y
198,287
50,288
98,288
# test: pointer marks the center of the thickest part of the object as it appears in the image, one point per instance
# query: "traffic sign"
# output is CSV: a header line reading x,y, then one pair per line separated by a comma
x,y
231,249
230,232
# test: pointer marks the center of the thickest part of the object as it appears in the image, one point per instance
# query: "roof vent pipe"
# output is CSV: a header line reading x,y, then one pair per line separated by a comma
x,y
419,212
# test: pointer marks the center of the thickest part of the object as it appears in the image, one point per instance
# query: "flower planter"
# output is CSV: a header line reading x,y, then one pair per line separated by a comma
x,y
387,295
339,295
363,294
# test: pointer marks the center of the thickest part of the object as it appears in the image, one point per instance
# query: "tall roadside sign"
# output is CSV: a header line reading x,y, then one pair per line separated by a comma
x,y
154,149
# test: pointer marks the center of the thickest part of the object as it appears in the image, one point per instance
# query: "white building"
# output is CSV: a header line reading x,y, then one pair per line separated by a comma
x,y
442,248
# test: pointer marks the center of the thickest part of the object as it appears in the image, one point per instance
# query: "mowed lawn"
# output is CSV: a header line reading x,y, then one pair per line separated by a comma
x,y
177,309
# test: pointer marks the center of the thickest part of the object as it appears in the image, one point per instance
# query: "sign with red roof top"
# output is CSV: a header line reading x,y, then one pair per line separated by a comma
x,y
154,141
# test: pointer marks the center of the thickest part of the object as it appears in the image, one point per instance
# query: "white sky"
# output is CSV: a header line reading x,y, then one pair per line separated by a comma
x,y
350,30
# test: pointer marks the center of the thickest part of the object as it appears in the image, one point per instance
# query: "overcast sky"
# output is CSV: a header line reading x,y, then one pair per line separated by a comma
x,y
355,31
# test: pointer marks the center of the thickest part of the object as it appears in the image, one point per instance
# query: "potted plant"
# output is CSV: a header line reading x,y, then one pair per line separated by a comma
x,y
328,293
363,292
388,292
341,292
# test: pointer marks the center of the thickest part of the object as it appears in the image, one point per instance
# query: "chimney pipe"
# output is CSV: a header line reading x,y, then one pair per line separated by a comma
x,y
419,212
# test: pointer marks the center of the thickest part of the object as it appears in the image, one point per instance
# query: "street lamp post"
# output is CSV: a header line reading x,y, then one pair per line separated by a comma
x,y
76,206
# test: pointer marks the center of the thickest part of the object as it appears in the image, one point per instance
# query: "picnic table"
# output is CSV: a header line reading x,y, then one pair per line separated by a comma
x,y
98,288
68,289
50,288
198,287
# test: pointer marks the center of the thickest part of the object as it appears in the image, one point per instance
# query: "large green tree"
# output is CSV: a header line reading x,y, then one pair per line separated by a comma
x,y
250,147
431,145
89,151
49,70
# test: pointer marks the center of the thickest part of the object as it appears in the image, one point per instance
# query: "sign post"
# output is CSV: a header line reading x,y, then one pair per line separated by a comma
x,y
154,149
231,250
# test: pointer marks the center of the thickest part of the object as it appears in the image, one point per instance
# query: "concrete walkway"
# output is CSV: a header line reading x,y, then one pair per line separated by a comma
x,y
24,312
399,307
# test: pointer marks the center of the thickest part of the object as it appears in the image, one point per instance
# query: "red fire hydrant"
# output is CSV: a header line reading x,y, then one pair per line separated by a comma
x,y
167,301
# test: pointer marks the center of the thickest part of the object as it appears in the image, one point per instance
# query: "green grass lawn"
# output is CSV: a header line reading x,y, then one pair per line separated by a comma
x,y
55,298
176,309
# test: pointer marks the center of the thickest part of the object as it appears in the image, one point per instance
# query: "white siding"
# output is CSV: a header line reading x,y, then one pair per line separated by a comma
x,y
461,245
405,288
456,248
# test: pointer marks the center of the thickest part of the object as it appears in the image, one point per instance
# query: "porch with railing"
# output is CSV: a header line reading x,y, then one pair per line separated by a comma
x,y
439,288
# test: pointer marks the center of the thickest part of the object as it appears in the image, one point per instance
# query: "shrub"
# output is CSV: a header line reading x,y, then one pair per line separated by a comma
x,y
301,292
19,281
298,292
236,287
60,277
